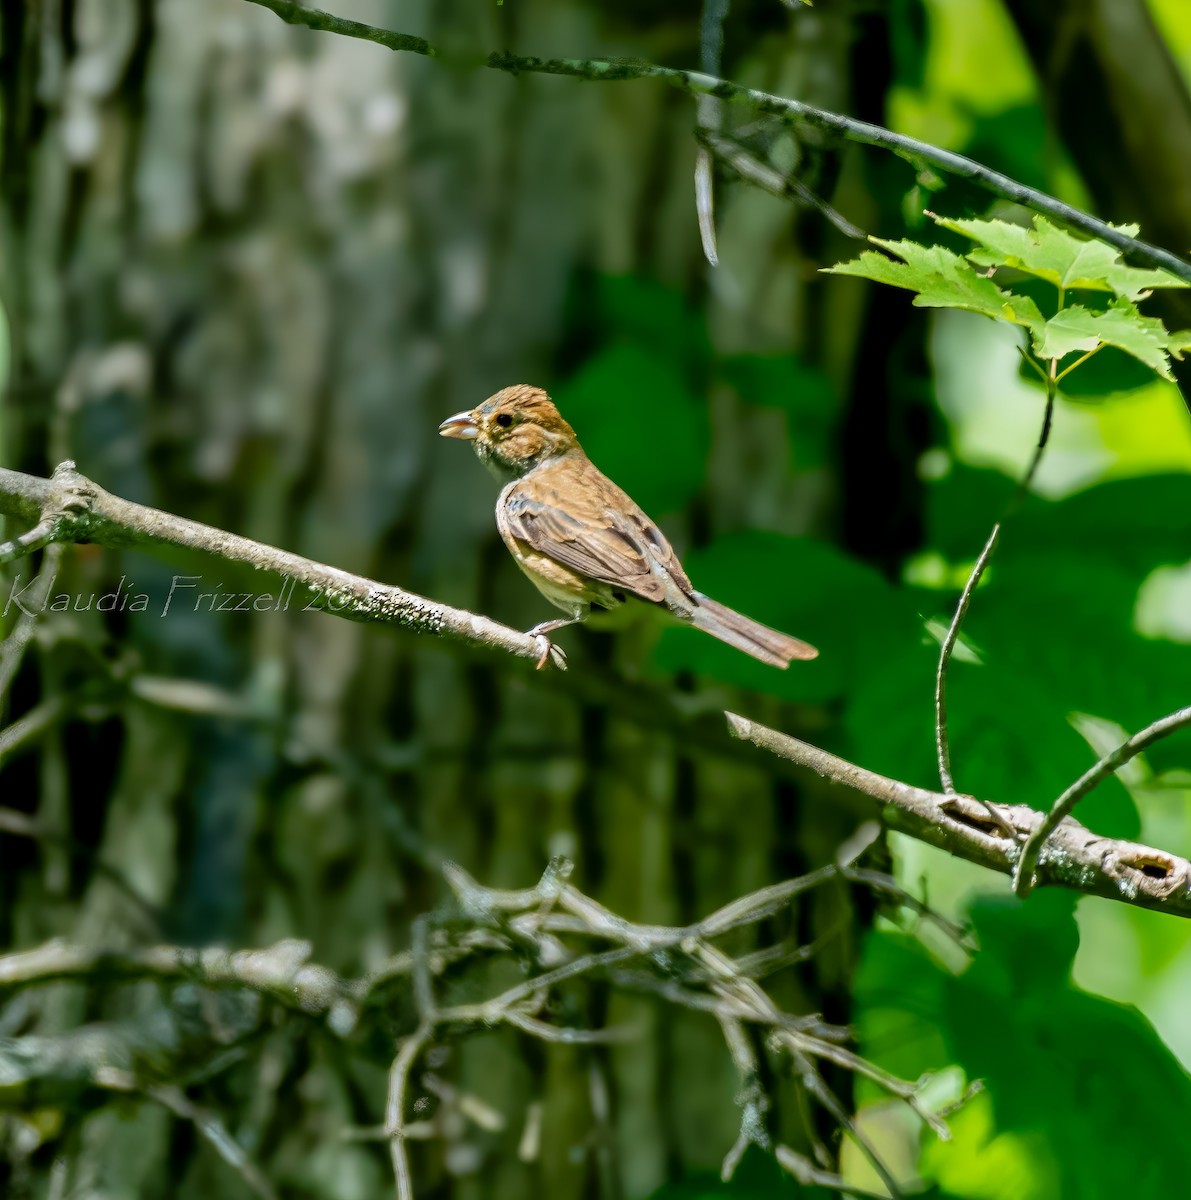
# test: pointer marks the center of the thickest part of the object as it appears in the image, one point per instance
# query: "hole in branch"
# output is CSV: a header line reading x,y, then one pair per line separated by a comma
x,y
1149,865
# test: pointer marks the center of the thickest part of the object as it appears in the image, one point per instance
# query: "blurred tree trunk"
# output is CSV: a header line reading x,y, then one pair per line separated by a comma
x,y
247,269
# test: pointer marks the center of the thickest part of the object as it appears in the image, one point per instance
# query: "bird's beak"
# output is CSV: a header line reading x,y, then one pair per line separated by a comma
x,y
461,425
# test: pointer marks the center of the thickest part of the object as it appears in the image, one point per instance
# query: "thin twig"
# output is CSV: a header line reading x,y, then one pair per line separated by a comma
x,y
1023,876
12,649
708,116
809,1175
942,745
206,1123
215,1133
407,1055
769,179
31,726
816,1086
563,1034
32,539
753,1102
843,1057
423,981
698,83
876,882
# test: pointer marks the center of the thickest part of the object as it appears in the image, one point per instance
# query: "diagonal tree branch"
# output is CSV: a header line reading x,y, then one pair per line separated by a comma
x,y
1074,857
84,512
81,511
697,83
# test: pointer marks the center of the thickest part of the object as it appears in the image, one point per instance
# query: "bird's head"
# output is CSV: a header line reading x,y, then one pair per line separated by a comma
x,y
514,430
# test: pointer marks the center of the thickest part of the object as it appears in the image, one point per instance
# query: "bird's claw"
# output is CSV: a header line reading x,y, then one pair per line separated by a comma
x,y
548,652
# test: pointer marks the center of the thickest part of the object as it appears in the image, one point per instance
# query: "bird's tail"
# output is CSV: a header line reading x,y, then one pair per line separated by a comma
x,y
770,646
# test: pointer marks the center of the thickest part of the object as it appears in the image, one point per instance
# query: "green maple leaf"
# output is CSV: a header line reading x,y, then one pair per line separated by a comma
x,y
1076,328
941,279
1059,257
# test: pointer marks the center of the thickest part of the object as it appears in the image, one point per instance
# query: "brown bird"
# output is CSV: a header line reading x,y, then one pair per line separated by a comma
x,y
580,539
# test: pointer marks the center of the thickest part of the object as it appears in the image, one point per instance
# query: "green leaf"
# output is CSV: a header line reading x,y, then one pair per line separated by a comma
x,y
1078,329
1060,257
805,587
1078,1061
1138,524
804,392
635,308
757,1177
942,279
1062,1068
630,386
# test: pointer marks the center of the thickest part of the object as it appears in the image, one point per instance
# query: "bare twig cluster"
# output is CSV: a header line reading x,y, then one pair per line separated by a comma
x,y
562,934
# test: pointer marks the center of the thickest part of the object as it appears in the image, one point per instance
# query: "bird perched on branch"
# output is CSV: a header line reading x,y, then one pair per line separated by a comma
x,y
582,541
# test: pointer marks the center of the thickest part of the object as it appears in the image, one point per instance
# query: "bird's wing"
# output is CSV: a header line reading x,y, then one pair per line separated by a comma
x,y
580,518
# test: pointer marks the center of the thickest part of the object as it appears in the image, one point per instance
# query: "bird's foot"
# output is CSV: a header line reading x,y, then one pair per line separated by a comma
x,y
548,652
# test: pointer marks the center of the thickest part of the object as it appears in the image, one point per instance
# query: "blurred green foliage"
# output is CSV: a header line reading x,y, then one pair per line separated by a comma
x,y
1065,1072
758,1177
1050,636
1050,641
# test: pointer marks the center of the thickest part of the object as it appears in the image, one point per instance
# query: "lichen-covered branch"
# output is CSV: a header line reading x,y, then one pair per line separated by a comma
x,y
77,510
1074,857
697,83
1023,876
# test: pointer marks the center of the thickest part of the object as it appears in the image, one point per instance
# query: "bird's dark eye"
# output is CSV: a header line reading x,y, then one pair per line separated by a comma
x,y
504,420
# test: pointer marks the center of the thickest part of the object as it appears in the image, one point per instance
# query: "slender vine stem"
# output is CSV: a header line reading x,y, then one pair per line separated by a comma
x,y
942,743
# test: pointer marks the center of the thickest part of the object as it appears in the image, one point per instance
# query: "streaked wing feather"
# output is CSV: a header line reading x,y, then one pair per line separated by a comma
x,y
601,534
